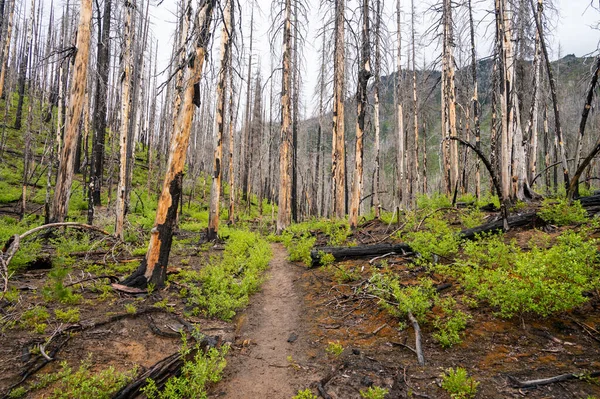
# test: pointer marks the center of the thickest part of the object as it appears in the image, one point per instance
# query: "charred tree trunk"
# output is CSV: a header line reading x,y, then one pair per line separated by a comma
x,y
60,203
364,74
338,154
284,214
153,268
215,189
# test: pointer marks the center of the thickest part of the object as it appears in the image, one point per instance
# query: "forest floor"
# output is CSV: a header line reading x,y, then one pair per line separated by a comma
x,y
316,328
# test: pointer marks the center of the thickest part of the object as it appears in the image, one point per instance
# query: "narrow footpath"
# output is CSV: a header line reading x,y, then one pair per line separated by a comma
x,y
268,360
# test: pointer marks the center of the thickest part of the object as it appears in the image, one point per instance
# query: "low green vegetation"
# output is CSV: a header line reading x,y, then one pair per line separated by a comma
x,y
300,238
458,383
373,392
561,212
81,383
224,285
305,394
334,348
203,368
541,281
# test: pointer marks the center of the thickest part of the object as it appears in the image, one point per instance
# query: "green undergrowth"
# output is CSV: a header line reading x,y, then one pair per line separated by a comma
x,y
561,212
400,299
300,238
549,278
196,373
458,383
224,285
82,382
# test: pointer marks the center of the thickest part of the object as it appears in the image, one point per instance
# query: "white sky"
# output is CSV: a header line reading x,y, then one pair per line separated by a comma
x,y
573,29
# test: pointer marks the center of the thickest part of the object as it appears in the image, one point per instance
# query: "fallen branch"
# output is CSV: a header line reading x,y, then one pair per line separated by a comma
x,y
160,372
358,252
13,243
552,380
418,347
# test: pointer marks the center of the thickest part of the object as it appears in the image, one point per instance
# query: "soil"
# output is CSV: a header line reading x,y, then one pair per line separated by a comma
x,y
278,344
270,358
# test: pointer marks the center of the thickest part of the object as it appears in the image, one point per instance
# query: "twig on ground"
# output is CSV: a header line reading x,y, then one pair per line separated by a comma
x,y
552,380
418,348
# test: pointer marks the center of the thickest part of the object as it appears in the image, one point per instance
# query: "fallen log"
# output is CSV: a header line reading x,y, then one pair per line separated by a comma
x,y
498,225
160,372
358,252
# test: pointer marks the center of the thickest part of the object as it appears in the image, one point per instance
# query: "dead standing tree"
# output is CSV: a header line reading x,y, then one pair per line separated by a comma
x,y
153,268
284,214
215,189
364,74
338,152
60,203
121,205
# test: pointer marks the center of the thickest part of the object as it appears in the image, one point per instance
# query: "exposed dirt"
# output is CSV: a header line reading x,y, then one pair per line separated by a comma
x,y
271,356
316,307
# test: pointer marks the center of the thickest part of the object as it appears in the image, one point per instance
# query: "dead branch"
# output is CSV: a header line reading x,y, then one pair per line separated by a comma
x,y
13,243
552,380
418,347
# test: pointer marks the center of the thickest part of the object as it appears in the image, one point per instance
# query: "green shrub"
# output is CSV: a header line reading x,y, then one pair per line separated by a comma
x,y
67,316
204,368
458,383
334,348
373,392
55,289
400,300
35,318
561,213
541,281
472,218
451,324
224,285
437,238
305,394
433,202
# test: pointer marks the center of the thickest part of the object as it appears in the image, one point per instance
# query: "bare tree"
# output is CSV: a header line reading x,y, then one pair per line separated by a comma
x,y
60,203
153,269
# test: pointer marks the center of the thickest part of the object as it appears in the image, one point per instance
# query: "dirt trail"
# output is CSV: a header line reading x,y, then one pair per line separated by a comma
x,y
259,366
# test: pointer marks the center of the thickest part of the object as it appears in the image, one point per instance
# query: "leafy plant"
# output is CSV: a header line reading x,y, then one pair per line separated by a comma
x,y
451,324
55,289
541,281
561,212
35,318
400,300
204,367
305,394
373,392
225,284
458,383
130,308
437,238
67,316
334,348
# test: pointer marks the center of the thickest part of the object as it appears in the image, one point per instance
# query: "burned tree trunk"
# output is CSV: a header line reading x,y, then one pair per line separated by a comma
x,y
153,268
364,75
338,152
215,189
99,119
60,203
284,214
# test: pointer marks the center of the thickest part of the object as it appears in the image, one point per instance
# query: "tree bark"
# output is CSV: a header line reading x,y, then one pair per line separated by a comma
x,y
153,268
215,189
60,203
364,74
121,203
100,107
284,214
338,155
